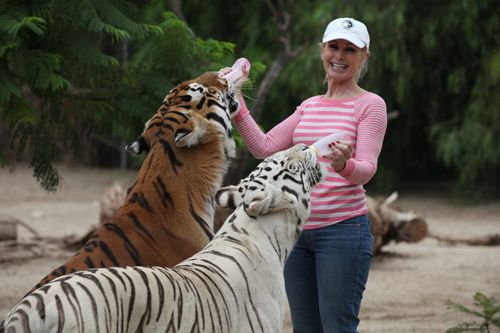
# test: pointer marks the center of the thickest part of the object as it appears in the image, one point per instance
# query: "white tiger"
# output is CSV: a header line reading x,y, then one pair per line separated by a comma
x,y
235,284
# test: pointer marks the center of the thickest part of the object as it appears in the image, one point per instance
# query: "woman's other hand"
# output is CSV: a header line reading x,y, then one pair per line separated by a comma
x,y
341,151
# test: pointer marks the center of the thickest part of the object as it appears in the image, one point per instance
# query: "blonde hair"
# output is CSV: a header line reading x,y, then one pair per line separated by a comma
x,y
363,69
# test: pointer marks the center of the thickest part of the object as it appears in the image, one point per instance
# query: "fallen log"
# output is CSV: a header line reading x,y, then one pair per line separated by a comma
x,y
393,224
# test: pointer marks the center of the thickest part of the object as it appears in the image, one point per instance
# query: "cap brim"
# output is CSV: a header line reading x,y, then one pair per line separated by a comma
x,y
344,35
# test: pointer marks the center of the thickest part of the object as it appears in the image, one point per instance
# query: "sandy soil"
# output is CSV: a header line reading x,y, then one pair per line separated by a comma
x,y
408,284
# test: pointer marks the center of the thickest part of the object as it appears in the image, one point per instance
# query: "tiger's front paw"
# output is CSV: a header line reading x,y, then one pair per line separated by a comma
x,y
260,206
260,200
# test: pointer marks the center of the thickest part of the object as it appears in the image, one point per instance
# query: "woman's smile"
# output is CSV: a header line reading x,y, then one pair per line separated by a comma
x,y
341,68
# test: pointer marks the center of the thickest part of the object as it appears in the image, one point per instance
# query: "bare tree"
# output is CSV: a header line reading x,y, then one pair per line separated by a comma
x,y
283,20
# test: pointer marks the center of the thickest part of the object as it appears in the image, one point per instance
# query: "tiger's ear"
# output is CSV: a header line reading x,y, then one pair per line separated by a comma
x,y
228,197
267,200
138,146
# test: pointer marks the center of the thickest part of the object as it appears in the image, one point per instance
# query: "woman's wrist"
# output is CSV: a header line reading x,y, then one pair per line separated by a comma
x,y
348,168
338,167
242,110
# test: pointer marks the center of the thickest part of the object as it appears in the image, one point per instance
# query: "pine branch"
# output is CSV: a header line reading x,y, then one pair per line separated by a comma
x,y
13,22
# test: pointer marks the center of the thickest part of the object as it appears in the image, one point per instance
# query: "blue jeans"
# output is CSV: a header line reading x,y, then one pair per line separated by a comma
x,y
325,276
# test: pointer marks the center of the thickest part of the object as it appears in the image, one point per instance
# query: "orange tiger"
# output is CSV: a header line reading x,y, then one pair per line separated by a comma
x,y
169,210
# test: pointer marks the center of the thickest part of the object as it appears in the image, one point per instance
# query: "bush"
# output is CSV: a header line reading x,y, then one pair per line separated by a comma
x,y
488,313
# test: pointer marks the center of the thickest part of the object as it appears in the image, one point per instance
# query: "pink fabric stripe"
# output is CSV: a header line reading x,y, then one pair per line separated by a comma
x,y
334,179
336,200
301,130
337,210
354,191
337,179
327,114
328,128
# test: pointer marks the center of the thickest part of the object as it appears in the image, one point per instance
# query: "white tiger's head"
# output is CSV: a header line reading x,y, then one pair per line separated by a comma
x,y
281,181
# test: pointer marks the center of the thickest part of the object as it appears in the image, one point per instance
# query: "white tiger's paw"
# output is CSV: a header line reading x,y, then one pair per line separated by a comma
x,y
261,200
259,206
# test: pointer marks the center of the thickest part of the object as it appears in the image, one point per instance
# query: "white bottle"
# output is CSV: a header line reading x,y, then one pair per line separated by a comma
x,y
240,66
321,148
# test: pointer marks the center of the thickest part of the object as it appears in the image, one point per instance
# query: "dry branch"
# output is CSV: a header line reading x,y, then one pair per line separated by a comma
x,y
488,240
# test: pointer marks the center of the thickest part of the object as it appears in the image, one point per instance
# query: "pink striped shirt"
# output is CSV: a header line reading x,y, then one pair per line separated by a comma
x,y
339,196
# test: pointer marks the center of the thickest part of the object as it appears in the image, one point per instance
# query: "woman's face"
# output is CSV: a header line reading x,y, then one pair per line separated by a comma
x,y
342,60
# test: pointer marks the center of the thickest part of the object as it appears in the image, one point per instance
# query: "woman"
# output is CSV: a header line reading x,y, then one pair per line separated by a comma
x,y
326,273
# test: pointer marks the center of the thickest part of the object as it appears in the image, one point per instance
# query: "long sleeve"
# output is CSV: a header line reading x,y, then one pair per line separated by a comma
x,y
371,130
261,144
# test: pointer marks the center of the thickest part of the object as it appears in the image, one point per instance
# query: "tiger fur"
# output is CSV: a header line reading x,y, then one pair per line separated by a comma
x,y
235,284
168,212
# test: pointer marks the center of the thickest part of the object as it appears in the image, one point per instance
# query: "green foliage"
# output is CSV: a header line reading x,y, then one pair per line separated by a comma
x,y
44,69
487,312
466,134
73,70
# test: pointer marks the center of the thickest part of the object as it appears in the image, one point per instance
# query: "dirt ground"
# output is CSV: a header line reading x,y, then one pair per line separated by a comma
x,y
408,284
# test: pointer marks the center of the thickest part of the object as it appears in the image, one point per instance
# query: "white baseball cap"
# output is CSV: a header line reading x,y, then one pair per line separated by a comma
x,y
349,29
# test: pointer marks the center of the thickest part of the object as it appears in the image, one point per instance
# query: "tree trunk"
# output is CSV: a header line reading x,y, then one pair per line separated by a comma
x,y
176,6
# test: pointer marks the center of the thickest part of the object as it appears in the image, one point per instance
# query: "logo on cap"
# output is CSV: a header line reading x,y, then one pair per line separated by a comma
x,y
347,24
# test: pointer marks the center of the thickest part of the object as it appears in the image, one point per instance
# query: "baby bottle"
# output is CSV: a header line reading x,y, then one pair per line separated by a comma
x,y
321,148
240,66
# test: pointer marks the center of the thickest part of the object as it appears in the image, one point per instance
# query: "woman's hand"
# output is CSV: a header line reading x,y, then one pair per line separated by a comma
x,y
341,152
242,78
